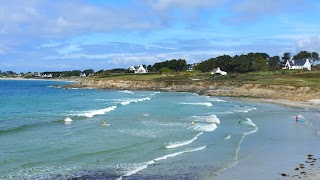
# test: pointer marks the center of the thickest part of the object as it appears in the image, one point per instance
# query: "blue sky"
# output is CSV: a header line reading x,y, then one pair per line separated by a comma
x,y
46,35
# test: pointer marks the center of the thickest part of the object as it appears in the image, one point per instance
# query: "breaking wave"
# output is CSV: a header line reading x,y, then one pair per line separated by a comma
x,y
92,113
182,143
208,104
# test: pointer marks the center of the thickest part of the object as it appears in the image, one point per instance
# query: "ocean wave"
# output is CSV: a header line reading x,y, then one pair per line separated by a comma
x,y
166,124
138,167
92,113
128,101
67,120
149,133
248,122
205,127
179,153
215,99
211,119
208,104
127,92
182,143
134,168
228,137
245,110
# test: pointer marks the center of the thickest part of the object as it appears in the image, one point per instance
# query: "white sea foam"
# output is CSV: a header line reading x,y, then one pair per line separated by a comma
x,y
245,110
67,119
208,104
179,153
244,135
126,91
92,113
205,127
248,122
182,143
215,99
128,101
139,167
146,115
166,124
211,119
149,133
228,137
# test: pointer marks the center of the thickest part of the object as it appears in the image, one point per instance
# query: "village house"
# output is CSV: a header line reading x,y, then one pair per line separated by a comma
x,y
298,64
138,69
190,67
218,71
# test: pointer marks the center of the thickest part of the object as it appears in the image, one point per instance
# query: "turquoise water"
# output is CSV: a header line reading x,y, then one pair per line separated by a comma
x,y
56,133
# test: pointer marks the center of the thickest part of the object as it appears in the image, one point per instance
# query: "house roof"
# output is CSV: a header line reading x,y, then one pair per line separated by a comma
x,y
297,62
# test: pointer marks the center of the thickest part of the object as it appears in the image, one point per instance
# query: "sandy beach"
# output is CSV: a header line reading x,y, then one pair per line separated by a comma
x,y
281,160
312,103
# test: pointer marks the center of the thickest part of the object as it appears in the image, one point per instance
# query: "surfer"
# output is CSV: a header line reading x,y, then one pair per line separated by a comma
x,y
297,117
104,122
192,123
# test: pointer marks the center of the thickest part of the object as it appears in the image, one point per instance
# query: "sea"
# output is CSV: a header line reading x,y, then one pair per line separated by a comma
x,y
51,132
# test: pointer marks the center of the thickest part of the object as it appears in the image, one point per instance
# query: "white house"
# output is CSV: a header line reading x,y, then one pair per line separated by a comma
x,y
138,69
83,75
298,64
218,71
190,67
47,75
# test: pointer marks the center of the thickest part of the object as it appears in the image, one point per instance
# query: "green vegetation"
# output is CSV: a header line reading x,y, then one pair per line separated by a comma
x,y
257,68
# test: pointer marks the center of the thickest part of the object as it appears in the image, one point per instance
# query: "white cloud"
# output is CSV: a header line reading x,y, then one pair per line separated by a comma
x,y
311,44
69,49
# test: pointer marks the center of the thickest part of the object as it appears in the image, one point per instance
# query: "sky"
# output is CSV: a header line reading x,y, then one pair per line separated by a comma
x,y
46,35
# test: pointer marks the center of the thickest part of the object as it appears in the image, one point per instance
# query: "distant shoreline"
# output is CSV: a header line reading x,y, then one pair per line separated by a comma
x,y
36,79
222,91
303,97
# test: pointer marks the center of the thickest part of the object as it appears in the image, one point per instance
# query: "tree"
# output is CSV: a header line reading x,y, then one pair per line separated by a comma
x,y
165,70
88,71
315,55
274,63
259,64
286,57
242,64
302,55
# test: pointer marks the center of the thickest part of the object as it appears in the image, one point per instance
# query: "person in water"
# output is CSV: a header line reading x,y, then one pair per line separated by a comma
x,y
297,118
104,122
192,123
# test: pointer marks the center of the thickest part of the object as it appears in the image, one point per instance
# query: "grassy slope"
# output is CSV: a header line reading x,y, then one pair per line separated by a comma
x,y
287,77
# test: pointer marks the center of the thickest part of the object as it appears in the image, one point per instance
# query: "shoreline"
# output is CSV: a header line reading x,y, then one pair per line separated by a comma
x,y
312,103
38,79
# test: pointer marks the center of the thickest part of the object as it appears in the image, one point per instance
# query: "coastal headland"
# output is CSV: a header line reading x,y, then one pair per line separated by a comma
x,y
280,94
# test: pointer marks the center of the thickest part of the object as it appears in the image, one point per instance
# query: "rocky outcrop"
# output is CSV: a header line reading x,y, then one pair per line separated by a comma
x,y
212,88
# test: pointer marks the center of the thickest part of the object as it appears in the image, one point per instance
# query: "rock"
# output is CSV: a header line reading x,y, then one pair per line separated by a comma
x,y
284,174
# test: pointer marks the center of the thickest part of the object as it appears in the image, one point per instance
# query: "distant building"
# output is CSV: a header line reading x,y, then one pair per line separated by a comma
x,y
83,75
46,75
190,67
218,71
298,64
138,69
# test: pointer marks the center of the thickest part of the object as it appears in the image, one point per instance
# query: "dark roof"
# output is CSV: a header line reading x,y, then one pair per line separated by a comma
x,y
297,62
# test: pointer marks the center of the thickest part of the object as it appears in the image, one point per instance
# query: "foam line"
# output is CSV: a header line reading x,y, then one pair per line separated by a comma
x,y
183,143
92,113
208,104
